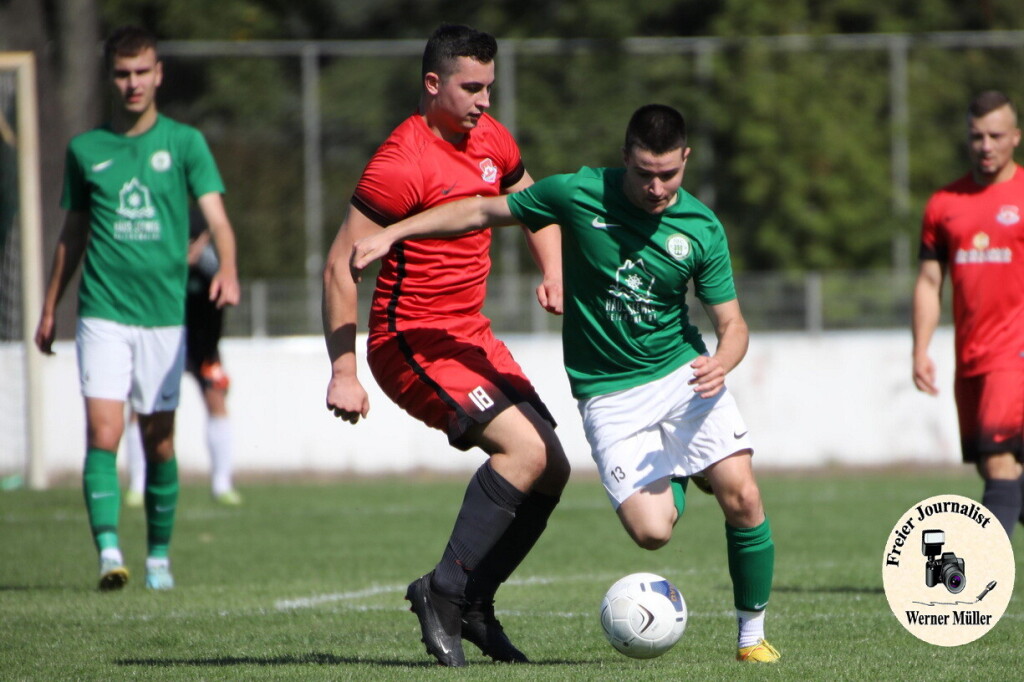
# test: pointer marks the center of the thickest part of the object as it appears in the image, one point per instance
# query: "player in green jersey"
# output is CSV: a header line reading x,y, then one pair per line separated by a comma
x,y
127,188
654,404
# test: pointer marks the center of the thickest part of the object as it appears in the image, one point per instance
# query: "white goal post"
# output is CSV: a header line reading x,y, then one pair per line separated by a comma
x,y
21,294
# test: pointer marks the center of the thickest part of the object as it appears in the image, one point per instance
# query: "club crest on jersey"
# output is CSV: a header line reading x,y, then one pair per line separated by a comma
x,y
678,246
488,171
1008,215
160,161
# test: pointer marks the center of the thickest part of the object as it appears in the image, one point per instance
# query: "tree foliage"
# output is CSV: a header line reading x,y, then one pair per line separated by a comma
x,y
791,147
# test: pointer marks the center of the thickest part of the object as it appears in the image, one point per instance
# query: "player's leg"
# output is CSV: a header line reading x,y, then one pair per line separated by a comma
x,y
219,436
750,548
104,363
136,463
452,383
105,422
1002,494
649,514
990,408
160,362
523,448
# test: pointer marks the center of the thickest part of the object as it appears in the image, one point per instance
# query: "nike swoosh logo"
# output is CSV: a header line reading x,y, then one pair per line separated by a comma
x,y
445,192
100,496
102,165
160,509
739,435
602,225
758,607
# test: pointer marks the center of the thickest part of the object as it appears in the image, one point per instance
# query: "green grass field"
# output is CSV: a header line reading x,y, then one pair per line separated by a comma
x,y
306,581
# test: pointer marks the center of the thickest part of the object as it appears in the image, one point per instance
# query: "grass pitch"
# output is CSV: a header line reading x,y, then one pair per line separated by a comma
x,y
306,581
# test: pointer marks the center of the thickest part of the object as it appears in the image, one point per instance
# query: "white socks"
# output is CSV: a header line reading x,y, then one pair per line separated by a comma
x,y
219,441
751,625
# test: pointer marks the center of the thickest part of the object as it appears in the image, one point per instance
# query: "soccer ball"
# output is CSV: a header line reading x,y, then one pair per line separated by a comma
x,y
643,615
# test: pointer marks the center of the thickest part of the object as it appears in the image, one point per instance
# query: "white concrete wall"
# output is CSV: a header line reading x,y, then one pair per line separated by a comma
x,y
810,400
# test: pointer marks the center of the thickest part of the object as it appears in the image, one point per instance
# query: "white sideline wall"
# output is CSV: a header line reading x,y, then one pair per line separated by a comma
x,y
809,400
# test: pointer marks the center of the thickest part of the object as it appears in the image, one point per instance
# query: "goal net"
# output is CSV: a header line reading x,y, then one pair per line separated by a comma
x,y
20,273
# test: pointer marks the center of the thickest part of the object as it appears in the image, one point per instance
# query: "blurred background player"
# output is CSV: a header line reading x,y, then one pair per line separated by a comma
x,y
972,229
654,403
126,190
204,323
431,349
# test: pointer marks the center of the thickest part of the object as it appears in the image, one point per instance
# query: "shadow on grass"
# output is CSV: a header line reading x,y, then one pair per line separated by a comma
x,y
837,589
301,659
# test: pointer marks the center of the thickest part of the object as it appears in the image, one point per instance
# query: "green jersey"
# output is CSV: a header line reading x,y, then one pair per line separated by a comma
x,y
625,277
137,190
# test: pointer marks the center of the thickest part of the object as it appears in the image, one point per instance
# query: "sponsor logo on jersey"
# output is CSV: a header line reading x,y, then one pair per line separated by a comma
x,y
1008,215
678,246
980,252
160,161
136,207
630,296
488,171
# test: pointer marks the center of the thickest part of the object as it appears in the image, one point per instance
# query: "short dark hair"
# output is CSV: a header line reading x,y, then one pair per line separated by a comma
x,y
451,41
656,128
127,41
987,102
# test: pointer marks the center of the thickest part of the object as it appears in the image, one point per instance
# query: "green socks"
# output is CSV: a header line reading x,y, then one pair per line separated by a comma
x,y
102,496
678,484
161,498
751,565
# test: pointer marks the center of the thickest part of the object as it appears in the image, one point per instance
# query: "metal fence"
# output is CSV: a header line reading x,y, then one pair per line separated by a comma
x,y
806,302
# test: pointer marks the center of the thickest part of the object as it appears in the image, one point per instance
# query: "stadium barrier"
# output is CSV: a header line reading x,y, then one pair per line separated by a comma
x,y
810,400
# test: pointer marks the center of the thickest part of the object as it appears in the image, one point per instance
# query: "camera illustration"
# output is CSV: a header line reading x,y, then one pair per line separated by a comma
x,y
947,569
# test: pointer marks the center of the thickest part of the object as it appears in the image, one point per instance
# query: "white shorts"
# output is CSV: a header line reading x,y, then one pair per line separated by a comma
x,y
123,362
643,434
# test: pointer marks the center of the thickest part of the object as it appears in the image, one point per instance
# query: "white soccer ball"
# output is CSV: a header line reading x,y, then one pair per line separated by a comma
x,y
643,615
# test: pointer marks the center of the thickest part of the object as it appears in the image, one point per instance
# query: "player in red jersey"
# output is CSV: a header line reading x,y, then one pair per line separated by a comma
x,y
973,230
431,350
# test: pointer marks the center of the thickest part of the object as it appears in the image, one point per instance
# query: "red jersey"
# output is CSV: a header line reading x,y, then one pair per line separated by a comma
x,y
977,232
424,283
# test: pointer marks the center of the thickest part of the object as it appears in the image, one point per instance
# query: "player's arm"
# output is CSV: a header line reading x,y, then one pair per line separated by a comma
x,y
224,288
446,220
927,307
346,397
733,340
74,237
546,248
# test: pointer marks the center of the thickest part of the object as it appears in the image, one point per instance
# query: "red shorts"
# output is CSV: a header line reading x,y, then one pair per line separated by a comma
x,y
450,380
991,411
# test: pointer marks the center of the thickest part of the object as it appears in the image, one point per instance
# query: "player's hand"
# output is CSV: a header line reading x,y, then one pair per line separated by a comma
x,y
224,289
45,333
708,376
367,250
924,375
347,399
549,295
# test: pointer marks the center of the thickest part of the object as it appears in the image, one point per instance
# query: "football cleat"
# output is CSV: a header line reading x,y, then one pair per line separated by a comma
x,y
113,575
480,627
158,577
762,652
440,622
228,498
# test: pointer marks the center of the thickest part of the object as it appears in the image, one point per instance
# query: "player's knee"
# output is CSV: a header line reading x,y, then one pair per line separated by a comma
x,y
651,536
742,504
